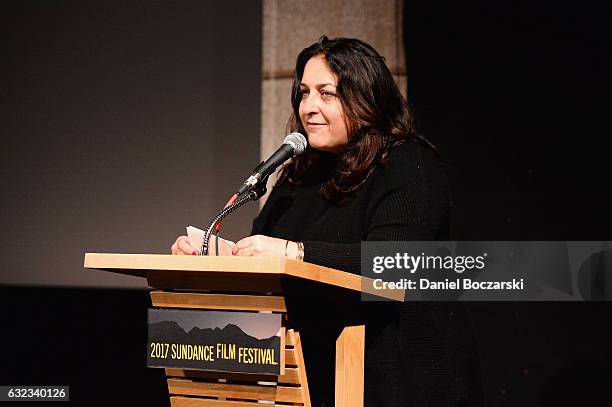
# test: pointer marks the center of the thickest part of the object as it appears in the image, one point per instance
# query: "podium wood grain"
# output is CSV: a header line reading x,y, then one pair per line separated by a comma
x,y
350,347
184,268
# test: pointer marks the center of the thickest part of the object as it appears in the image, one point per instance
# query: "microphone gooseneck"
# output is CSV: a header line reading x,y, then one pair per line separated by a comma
x,y
251,195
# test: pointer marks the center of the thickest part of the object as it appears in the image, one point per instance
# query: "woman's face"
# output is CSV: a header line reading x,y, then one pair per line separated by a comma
x,y
320,109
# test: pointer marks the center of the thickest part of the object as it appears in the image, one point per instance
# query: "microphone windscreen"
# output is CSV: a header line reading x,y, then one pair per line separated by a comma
x,y
297,141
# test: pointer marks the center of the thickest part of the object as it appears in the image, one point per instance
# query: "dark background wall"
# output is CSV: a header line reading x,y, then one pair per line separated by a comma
x,y
115,115
122,123
516,95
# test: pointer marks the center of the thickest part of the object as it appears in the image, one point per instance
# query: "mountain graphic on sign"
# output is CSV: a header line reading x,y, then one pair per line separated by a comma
x,y
170,331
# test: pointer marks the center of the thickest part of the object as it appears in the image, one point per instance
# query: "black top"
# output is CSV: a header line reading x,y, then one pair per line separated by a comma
x,y
409,360
406,200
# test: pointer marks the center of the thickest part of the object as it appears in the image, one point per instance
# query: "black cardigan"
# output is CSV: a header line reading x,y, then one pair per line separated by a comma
x,y
406,200
409,360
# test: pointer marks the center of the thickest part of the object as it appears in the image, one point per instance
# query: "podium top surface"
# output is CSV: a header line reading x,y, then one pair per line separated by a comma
x,y
141,265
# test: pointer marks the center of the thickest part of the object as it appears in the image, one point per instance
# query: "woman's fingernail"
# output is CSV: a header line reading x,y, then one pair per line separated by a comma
x,y
194,253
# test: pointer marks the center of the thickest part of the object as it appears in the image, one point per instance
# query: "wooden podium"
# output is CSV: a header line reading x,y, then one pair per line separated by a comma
x,y
249,284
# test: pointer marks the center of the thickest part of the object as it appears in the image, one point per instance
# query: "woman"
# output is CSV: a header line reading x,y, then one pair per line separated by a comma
x,y
366,175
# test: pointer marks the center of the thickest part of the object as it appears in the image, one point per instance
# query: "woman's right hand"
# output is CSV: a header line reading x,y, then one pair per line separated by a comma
x,y
181,247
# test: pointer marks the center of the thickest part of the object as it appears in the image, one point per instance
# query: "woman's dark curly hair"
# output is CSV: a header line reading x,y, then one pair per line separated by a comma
x,y
377,115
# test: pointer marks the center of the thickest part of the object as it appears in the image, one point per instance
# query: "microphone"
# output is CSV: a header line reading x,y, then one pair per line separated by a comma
x,y
294,144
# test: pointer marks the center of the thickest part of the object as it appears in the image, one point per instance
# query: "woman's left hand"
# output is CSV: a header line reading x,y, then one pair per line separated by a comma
x,y
260,245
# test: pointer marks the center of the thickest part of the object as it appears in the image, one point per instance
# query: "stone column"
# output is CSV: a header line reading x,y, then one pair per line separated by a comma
x,y
291,25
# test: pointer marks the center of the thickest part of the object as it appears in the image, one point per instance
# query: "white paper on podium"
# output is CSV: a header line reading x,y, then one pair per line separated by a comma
x,y
196,238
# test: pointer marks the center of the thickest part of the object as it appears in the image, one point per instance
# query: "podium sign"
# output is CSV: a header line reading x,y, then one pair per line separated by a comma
x,y
221,341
